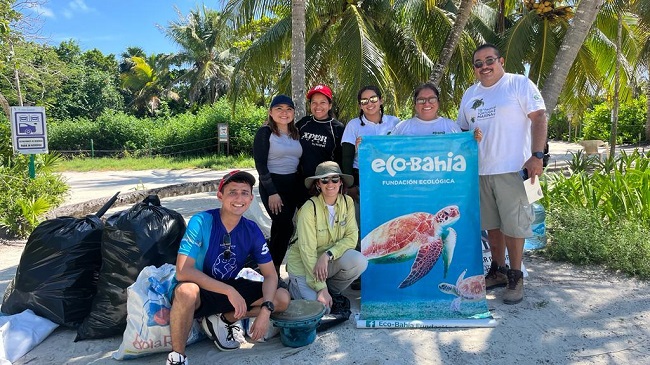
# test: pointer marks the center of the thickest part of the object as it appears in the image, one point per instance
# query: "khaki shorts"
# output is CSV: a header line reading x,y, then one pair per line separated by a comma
x,y
504,205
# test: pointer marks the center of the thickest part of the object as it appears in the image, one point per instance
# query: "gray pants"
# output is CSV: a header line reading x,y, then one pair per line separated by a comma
x,y
341,273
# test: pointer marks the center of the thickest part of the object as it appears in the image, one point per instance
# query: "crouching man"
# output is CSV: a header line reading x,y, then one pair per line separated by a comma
x,y
214,249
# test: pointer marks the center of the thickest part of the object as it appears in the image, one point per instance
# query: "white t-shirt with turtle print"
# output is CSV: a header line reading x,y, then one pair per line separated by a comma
x,y
501,112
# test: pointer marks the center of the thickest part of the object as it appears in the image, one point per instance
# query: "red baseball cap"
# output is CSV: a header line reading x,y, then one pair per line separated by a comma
x,y
323,89
239,175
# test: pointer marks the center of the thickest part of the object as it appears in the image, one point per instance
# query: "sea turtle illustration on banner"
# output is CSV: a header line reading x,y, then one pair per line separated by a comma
x,y
471,289
423,235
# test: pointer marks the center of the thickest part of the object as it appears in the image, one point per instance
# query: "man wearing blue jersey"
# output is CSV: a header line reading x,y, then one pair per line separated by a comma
x,y
214,249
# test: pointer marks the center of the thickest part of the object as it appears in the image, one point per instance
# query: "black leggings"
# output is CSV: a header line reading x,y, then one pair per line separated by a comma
x,y
282,224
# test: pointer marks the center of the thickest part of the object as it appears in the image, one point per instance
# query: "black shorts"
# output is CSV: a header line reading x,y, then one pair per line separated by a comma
x,y
213,303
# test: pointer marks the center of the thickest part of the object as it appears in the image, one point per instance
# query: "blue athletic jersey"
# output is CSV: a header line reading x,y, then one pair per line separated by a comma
x,y
203,242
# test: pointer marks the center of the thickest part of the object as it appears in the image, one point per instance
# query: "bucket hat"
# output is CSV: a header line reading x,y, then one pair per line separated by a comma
x,y
329,168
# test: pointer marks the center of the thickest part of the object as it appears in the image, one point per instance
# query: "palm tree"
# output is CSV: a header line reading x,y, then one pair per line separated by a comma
x,y
205,39
391,44
641,9
298,26
141,80
585,15
462,17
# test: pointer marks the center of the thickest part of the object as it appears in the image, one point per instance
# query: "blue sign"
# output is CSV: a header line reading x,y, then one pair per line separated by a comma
x,y
420,229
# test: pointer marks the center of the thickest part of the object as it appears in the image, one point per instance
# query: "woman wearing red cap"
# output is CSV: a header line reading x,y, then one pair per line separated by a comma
x,y
320,134
277,152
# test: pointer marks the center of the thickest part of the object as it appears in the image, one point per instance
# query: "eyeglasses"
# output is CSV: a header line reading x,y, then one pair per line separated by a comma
x,y
430,100
372,99
488,61
333,179
226,243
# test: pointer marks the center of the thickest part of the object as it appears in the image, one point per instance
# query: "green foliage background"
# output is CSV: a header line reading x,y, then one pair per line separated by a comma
x,y
23,200
183,134
631,121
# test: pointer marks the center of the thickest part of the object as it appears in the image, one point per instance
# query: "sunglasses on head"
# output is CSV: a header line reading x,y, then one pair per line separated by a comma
x,y
333,179
226,243
372,99
488,61
430,100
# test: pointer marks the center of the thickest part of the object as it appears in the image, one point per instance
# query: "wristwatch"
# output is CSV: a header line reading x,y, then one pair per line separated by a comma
x,y
330,254
539,155
268,305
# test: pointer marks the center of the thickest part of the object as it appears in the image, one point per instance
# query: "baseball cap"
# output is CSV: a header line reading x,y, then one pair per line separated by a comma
x,y
323,89
236,175
282,99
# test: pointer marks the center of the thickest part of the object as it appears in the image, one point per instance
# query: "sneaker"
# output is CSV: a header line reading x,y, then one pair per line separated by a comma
x,y
496,277
174,358
247,324
224,334
514,292
340,306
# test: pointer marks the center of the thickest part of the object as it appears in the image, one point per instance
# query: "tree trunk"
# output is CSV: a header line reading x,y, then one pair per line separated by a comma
x,y
464,11
573,40
298,27
5,106
617,85
647,103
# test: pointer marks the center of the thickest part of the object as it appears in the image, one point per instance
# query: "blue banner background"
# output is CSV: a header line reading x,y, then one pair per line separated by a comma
x,y
392,185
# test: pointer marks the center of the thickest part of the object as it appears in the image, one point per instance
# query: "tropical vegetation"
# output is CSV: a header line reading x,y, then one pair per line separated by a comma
x,y
600,212
233,60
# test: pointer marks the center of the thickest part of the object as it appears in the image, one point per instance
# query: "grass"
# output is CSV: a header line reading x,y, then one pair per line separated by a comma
x,y
215,162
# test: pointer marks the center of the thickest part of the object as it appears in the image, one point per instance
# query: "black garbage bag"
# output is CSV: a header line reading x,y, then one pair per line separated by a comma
x,y
147,234
58,269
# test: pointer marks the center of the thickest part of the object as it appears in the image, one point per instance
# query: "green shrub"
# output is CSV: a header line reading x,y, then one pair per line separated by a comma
x,y
71,135
602,216
558,126
23,200
580,236
183,134
631,122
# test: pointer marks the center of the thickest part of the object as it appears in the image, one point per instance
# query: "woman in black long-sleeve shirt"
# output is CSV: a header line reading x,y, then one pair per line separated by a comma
x,y
320,135
277,152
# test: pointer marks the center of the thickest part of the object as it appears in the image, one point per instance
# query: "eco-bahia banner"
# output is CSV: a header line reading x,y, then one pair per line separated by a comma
x,y
420,230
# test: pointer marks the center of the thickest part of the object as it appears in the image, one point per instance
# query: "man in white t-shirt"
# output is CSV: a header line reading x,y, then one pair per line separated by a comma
x,y
510,111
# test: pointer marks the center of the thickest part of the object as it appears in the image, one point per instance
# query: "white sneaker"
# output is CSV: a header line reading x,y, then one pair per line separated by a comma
x,y
174,358
226,335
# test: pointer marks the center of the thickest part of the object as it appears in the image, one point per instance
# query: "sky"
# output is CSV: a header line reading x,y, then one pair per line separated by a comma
x,y
112,25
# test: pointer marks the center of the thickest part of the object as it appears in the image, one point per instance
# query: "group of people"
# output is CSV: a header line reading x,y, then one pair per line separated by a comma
x,y
311,166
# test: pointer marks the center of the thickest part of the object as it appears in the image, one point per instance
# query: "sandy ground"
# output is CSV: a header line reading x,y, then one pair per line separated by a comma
x,y
570,315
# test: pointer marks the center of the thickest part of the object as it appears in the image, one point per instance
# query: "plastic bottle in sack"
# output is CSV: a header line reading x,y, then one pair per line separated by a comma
x,y
538,239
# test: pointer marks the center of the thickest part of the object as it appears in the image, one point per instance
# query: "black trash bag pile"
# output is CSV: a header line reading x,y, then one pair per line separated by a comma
x,y
147,234
59,269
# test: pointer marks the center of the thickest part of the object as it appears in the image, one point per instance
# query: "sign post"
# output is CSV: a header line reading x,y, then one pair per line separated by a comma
x,y
29,132
222,129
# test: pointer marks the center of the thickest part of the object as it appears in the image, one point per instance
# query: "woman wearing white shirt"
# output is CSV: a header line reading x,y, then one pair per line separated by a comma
x,y
371,122
426,120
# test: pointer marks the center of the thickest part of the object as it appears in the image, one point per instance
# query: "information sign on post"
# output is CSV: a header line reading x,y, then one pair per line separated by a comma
x,y
222,136
28,130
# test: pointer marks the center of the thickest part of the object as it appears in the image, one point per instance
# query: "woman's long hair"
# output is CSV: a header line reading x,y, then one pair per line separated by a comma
x,y
293,131
381,107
